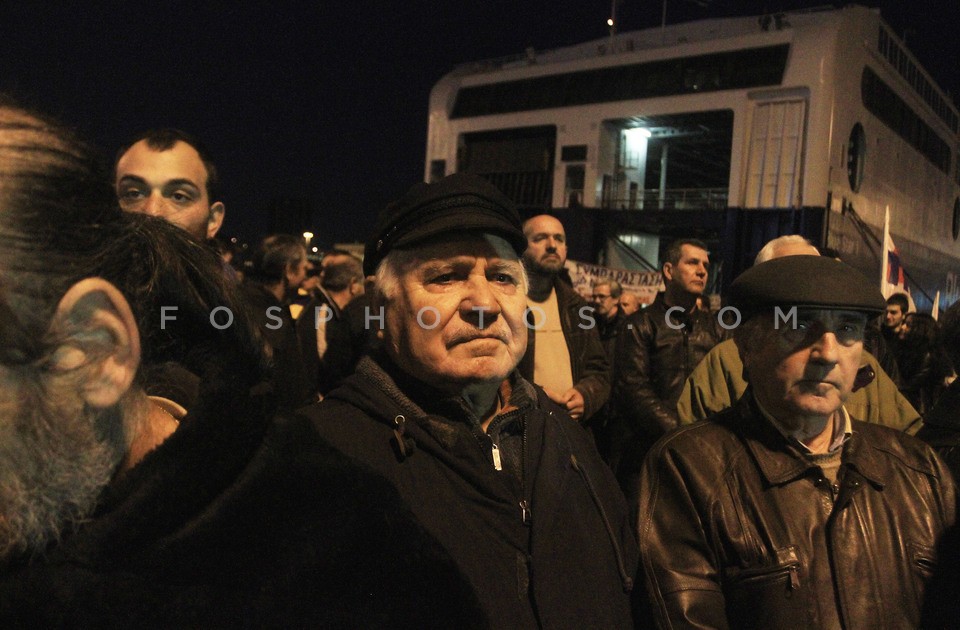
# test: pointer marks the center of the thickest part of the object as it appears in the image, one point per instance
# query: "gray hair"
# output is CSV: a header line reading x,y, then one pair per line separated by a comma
x,y
616,289
386,281
769,251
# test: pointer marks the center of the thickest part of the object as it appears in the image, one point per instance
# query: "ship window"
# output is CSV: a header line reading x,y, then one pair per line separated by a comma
x,y
738,69
574,153
881,101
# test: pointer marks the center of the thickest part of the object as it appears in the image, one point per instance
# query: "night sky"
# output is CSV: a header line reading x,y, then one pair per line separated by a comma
x,y
323,101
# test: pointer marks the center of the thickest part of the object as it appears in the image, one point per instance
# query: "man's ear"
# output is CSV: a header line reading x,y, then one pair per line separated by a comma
x,y
102,337
215,218
668,271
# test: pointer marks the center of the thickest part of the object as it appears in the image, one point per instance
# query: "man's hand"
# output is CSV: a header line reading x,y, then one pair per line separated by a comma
x,y
572,399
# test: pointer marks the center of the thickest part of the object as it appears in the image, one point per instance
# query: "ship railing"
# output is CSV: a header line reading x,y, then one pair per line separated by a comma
x,y
670,199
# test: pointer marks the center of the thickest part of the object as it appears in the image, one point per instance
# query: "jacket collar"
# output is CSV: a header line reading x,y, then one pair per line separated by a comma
x,y
780,462
417,399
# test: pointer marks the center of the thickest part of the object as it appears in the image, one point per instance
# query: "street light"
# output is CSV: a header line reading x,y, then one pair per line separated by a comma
x,y
308,236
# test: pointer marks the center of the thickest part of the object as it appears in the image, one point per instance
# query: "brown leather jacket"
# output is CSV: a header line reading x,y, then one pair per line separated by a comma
x,y
740,530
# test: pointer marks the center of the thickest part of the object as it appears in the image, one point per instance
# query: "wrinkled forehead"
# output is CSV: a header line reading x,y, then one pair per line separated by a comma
x,y
467,245
692,252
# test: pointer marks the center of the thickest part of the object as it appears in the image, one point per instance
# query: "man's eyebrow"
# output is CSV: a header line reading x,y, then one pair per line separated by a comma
x,y
131,179
434,266
136,179
181,182
505,265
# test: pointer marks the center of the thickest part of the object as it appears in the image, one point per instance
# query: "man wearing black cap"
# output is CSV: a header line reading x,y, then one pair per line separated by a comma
x,y
783,511
509,484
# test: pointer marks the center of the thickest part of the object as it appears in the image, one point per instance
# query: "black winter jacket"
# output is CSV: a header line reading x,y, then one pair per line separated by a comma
x,y
588,360
739,530
545,541
941,428
235,521
653,361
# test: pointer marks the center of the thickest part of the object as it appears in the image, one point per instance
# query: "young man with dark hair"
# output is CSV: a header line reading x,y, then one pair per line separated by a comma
x,y
168,173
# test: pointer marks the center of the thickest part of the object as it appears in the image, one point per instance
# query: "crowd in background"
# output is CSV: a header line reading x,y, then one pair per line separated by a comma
x,y
442,433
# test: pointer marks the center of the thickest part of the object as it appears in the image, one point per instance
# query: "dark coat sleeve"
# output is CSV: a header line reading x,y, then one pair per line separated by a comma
x,y
594,380
636,399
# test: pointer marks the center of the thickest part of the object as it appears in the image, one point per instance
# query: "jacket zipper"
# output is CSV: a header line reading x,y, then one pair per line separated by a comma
x,y
526,516
792,571
617,551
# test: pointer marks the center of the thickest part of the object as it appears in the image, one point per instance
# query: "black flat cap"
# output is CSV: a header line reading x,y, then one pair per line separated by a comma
x,y
805,281
456,203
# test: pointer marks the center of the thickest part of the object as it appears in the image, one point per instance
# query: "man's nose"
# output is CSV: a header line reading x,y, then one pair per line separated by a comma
x,y
479,305
826,349
153,204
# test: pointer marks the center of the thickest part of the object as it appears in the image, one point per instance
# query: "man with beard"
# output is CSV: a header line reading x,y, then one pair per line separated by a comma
x,y
112,513
564,355
504,479
784,511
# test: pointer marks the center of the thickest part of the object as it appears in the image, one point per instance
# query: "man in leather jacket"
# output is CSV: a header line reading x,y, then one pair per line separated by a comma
x,y
658,348
783,511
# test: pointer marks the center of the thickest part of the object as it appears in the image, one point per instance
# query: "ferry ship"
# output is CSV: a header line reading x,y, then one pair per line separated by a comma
x,y
733,130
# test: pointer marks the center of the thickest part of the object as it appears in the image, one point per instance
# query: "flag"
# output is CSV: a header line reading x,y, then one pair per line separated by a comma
x,y
892,278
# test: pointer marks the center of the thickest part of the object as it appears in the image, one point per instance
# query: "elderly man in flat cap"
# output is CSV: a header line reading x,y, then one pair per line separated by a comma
x,y
498,473
783,511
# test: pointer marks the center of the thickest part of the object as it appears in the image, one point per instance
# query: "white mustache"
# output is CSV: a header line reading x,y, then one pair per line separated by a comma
x,y
471,335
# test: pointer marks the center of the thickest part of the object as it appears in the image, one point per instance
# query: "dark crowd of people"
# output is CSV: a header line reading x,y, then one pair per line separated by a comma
x,y
442,433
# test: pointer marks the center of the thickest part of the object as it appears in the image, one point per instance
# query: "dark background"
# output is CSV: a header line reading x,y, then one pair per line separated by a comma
x,y
323,105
